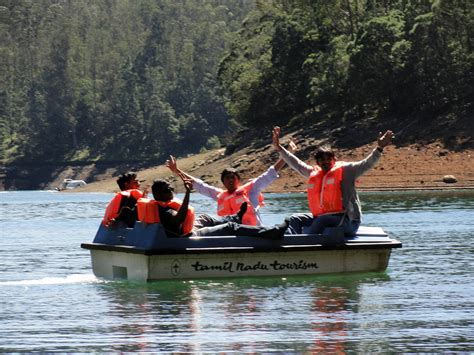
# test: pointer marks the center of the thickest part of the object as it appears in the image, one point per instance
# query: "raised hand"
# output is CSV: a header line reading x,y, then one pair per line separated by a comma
x,y
292,146
385,139
172,165
276,138
188,183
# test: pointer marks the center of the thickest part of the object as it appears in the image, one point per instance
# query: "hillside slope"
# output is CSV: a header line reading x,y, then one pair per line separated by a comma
x,y
416,166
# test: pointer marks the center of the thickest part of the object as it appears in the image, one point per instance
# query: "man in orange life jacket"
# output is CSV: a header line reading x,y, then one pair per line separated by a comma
x,y
234,194
175,217
122,208
332,196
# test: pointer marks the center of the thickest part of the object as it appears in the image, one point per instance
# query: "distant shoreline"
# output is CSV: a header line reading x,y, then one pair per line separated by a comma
x,y
409,168
365,189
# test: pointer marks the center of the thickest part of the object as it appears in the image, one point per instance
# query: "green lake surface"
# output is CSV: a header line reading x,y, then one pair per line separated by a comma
x,y
51,301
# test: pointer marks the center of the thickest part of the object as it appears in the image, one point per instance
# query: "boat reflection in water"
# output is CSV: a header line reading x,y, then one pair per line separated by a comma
x,y
330,324
241,315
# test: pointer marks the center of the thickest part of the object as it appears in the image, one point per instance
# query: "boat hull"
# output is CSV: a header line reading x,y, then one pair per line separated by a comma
x,y
147,253
141,267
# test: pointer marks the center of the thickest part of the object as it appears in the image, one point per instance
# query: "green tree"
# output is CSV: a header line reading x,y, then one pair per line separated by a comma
x,y
377,58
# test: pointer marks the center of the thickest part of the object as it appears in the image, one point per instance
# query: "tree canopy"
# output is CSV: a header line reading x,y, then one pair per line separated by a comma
x,y
351,60
140,79
121,79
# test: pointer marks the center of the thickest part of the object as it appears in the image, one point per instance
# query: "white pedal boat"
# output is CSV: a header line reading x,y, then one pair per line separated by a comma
x,y
146,253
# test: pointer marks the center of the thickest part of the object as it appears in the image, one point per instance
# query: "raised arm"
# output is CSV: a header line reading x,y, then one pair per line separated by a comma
x,y
358,168
173,166
292,147
183,210
199,185
173,220
384,139
293,161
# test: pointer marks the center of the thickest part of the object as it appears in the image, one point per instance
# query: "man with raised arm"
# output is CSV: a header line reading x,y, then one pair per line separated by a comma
x,y
230,199
178,219
332,196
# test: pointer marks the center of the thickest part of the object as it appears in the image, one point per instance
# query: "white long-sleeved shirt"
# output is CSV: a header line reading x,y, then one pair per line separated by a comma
x,y
259,184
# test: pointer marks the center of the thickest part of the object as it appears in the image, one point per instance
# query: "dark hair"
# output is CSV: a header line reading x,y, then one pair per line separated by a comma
x,y
158,186
324,151
228,171
124,178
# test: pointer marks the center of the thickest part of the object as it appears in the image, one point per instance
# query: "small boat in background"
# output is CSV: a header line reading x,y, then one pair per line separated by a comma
x,y
146,253
69,184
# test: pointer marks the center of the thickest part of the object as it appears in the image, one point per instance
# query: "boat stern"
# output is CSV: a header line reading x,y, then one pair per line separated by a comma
x,y
119,265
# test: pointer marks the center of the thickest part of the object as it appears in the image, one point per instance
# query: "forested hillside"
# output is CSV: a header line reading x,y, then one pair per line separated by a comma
x,y
112,80
353,66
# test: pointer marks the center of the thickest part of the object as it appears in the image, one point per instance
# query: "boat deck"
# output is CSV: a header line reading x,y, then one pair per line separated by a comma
x,y
152,240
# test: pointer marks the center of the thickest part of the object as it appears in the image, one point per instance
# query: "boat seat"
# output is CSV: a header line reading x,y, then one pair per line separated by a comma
x,y
368,231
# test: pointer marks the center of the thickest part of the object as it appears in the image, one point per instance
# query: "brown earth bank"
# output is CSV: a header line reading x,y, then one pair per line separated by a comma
x,y
416,166
423,154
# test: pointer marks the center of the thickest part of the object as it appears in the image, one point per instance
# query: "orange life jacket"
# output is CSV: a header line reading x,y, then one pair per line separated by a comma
x,y
113,208
148,212
324,191
229,203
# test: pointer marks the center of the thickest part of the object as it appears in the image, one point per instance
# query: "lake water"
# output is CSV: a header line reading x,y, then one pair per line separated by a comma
x,y
50,300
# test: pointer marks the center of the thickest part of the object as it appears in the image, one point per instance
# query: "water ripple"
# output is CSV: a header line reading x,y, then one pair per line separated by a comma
x,y
51,302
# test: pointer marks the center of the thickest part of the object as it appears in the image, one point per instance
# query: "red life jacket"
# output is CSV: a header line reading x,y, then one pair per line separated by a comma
x,y
324,191
229,203
113,208
148,212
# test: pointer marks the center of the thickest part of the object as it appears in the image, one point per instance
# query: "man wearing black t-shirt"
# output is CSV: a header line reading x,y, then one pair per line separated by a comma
x,y
173,220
